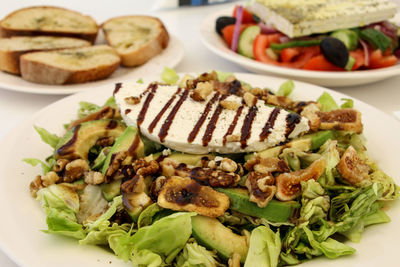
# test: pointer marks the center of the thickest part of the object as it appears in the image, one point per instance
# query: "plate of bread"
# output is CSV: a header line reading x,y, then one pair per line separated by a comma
x,y
52,50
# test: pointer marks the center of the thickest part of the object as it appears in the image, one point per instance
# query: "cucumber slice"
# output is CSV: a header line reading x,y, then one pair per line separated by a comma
x,y
246,41
348,37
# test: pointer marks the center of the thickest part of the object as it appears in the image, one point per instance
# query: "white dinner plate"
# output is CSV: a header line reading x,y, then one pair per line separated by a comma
x,y
22,217
216,44
170,57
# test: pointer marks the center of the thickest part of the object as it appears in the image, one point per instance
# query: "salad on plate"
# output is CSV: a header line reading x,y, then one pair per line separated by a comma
x,y
314,35
210,171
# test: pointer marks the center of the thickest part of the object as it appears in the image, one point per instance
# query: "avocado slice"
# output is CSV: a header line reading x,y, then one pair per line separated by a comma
x,y
188,159
135,203
76,143
130,142
276,211
212,234
111,190
305,143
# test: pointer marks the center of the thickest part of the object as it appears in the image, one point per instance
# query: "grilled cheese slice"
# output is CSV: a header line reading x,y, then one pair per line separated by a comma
x,y
167,114
305,17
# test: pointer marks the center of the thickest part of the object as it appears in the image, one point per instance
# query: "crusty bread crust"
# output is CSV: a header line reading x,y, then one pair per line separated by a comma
x,y
39,72
9,31
9,60
42,72
150,49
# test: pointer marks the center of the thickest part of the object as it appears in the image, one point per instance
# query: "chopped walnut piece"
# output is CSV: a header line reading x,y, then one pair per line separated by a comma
x,y
75,170
341,119
288,184
50,178
168,167
228,165
211,76
311,113
352,168
249,99
106,112
60,165
94,178
232,138
184,194
280,101
261,188
266,165
105,141
231,105
145,168
132,100
115,164
36,185
202,90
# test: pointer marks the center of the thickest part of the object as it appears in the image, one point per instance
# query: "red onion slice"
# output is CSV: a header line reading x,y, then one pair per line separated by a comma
x,y
284,39
366,52
267,29
236,30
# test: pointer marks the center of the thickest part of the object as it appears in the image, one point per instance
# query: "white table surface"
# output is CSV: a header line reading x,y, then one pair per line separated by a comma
x,y
183,23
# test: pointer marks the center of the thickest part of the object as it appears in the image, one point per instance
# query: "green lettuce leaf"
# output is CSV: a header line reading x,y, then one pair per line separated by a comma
x,y
60,202
86,108
331,248
146,258
165,237
46,166
50,139
391,191
223,75
103,220
331,154
314,203
146,216
102,233
327,102
169,76
264,249
348,103
194,255
286,88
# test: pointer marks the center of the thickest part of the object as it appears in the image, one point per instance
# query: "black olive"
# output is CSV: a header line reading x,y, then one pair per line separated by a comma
x,y
335,51
222,22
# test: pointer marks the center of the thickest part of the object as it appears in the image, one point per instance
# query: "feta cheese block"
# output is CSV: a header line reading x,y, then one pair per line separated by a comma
x,y
305,17
168,115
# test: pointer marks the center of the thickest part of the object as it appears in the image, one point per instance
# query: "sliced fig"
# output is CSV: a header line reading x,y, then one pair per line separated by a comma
x,y
352,168
288,184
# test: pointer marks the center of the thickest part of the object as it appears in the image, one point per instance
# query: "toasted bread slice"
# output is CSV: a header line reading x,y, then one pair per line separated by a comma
x,y
136,38
12,48
65,66
47,20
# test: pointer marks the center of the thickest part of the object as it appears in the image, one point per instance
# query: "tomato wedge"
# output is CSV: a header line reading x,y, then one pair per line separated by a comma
x,y
358,55
227,32
288,54
378,60
320,63
247,16
261,43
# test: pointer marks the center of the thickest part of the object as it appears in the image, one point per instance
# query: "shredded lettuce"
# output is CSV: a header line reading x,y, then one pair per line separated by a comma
x,y
194,255
169,76
165,238
314,203
327,102
60,202
264,249
348,103
286,88
46,166
101,235
331,154
50,139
